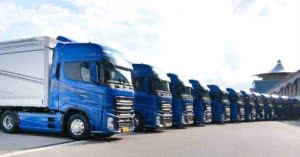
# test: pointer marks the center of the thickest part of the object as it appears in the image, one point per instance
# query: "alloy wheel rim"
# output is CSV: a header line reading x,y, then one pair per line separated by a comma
x,y
136,122
77,127
8,122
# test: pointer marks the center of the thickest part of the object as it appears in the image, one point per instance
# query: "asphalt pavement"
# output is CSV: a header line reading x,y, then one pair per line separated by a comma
x,y
255,139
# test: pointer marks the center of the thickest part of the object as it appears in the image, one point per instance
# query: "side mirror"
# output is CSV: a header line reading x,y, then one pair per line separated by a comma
x,y
94,73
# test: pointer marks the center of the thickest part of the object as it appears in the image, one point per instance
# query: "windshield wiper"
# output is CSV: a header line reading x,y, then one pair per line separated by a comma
x,y
116,82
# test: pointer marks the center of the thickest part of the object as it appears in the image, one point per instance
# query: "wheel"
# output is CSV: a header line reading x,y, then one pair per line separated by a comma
x,y
9,122
138,122
222,118
79,127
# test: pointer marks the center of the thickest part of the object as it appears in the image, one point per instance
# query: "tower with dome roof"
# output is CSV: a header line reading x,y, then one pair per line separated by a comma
x,y
269,79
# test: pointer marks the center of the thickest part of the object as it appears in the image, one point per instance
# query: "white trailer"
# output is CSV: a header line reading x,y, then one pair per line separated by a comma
x,y
25,67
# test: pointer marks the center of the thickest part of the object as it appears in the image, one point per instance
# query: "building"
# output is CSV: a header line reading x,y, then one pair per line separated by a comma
x,y
290,86
269,79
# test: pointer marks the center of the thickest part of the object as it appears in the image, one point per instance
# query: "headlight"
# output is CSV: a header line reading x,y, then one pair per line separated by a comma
x,y
183,119
110,123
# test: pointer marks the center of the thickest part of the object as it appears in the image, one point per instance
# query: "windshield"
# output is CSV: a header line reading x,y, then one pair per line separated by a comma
x,y
267,101
186,90
161,85
250,101
238,100
259,101
204,93
224,99
117,75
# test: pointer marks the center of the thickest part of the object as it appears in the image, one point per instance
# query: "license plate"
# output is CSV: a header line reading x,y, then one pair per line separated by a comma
x,y
168,124
126,129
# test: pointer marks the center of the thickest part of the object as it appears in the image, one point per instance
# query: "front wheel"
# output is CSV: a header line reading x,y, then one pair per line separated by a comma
x,y
79,127
9,122
222,120
138,123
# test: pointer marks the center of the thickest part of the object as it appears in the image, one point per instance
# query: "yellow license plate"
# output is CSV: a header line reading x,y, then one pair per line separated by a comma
x,y
126,129
168,124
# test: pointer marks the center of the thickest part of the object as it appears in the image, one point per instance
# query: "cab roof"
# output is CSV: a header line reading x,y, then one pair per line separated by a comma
x,y
150,71
177,79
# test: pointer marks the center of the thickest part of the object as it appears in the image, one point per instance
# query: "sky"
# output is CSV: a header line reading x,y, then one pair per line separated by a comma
x,y
223,42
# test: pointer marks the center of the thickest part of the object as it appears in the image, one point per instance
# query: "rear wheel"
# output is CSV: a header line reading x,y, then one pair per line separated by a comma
x,y
79,127
138,122
9,122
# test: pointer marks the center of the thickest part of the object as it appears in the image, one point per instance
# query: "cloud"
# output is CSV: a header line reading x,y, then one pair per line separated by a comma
x,y
220,42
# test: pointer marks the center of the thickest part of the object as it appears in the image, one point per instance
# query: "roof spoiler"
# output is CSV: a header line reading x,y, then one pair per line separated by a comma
x,y
65,39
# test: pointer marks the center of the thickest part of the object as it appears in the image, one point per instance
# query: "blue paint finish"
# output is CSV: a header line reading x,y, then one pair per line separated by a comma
x,y
182,101
293,109
41,122
277,105
268,106
220,104
237,110
97,101
259,106
202,103
285,106
150,102
250,110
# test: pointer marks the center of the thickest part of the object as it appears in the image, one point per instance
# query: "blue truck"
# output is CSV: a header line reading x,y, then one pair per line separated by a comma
x,y
250,112
152,98
259,106
284,101
182,101
237,110
294,108
278,110
219,103
60,85
268,106
202,103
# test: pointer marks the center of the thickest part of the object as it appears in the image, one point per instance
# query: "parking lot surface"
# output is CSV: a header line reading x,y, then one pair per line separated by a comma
x,y
255,139
22,141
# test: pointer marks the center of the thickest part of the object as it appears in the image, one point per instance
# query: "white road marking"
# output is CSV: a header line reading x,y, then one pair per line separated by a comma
x,y
40,149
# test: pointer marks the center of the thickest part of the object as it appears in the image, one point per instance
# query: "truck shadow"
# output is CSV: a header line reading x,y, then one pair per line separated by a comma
x,y
293,122
146,132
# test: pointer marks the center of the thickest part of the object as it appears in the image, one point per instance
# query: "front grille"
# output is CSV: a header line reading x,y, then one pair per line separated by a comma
x,y
208,116
189,112
166,108
227,113
242,111
124,111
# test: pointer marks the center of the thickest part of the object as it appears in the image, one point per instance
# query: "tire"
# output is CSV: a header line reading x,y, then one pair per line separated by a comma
x,y
78,127
222,120
9,122
138,123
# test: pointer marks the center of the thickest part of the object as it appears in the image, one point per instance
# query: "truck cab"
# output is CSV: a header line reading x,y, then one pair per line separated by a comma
x,y
182,101
152,97
250,112
268,106
202,103
297,108
259,106
284,101
294,108
278,111
73,87
237,110
219,103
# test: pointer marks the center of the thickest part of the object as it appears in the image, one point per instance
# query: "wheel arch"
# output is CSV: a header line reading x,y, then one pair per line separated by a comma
x,y
69,112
